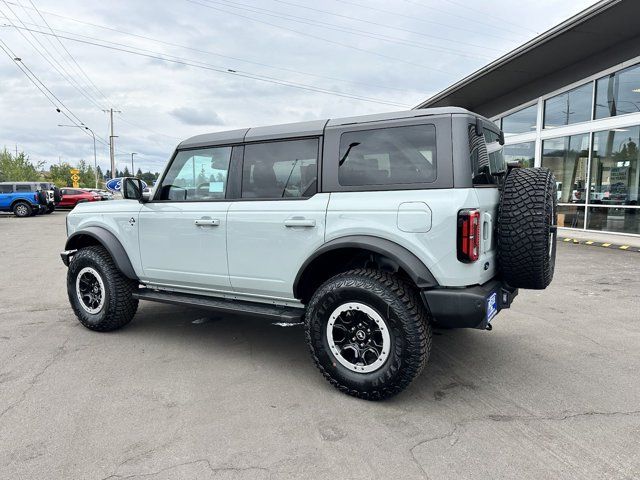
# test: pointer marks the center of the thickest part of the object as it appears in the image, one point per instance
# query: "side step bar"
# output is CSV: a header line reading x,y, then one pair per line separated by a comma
x,y
286,314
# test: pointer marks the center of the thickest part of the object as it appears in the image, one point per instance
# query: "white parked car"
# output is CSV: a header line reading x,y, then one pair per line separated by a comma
x,y
372,229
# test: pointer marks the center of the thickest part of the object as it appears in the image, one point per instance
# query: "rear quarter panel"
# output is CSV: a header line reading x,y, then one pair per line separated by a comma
x,y
377,214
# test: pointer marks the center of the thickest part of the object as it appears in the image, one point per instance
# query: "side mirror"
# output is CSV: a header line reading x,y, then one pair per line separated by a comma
x,y
131,188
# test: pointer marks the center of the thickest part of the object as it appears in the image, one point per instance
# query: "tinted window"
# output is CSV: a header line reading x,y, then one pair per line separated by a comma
x,y
280,169
6,188
388,156
486,156
23,188
618,93
197,175
522,121
570,107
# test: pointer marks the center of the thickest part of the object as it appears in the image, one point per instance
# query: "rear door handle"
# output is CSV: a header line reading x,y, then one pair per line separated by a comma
x,y
299,222
207,222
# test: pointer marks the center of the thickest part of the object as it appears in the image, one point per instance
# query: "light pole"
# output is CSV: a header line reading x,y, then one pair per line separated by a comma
x,y
95,158
133,172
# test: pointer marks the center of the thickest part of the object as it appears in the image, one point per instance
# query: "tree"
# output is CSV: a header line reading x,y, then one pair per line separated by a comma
x,y
19,168
125,172
59,173
139,173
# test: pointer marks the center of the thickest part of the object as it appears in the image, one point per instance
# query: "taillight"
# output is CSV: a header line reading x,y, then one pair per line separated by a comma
x,y
468,235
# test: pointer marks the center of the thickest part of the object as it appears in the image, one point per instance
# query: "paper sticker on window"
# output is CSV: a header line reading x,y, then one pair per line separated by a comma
x,y
216,187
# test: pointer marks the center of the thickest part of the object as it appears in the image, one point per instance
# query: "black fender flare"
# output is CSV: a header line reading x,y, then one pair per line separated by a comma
x,y
405,259
110,242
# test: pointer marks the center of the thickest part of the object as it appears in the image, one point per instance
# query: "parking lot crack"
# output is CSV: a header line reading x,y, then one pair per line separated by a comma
x,y
204,461
60,351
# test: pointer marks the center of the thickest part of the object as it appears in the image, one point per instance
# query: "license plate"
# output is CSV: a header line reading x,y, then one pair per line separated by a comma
x,y
492,306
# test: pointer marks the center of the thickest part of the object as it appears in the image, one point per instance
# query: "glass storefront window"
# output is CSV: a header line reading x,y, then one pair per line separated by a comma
x,y
614,167
621,220
523,154
522,121
571,216
618,93
567,158
569,107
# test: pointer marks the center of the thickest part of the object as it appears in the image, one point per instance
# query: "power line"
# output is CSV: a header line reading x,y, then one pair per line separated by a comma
x,y
80,69
48,94
208,52
421,20
56,66
334,27
206,66
392,27
429,7
305,34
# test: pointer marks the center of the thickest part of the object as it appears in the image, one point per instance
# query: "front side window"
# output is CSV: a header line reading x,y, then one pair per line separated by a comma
x,y
618,93
388,156
197,175
23,188
284,169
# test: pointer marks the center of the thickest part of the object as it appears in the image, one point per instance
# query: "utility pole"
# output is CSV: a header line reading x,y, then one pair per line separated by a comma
x,y
112,146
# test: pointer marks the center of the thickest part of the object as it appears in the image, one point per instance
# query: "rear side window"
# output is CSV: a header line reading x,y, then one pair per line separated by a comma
x,y
388,156
486,155
286,169
6,189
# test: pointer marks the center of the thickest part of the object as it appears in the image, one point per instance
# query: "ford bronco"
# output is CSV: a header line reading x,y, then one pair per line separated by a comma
x,y
371,229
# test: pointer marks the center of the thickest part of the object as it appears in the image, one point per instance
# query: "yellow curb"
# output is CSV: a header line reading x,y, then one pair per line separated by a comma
x,y
590,242
606,244
567,239
624,247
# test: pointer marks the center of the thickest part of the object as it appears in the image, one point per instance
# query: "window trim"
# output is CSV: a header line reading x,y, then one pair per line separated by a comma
x,y
444,154
158,187
320,141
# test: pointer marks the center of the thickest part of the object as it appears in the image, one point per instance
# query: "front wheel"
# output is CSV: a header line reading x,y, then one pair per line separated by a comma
x,y
368,332
100,295
22,209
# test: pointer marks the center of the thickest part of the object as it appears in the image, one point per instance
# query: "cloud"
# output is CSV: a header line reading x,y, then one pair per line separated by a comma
x,y
194,116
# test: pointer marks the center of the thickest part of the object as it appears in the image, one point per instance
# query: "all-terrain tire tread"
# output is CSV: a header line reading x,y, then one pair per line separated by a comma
x,y
121,305
415,320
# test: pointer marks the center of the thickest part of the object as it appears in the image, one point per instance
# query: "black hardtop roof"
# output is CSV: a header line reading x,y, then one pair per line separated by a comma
x,y
307,129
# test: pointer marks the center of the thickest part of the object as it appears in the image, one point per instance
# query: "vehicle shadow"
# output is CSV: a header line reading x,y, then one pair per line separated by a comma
x,y
462,362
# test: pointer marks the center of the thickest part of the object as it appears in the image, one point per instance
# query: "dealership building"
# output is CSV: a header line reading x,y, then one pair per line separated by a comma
x,y
569,100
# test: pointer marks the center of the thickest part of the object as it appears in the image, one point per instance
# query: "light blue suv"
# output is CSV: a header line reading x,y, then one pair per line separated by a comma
x,y
372,229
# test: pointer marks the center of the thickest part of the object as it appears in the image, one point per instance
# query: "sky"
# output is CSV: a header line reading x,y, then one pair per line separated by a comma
x,y
179,68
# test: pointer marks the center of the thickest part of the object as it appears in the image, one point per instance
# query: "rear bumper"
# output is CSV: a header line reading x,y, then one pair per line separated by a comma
x,y
468,307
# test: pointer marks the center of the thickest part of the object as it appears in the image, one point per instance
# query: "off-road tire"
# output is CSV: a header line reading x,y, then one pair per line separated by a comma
x,y
119,305
22,209
527,218
408,324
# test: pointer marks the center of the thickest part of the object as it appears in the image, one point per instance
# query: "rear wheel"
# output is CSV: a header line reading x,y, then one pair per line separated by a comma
x,y
100,295
22,209
527,219
368,333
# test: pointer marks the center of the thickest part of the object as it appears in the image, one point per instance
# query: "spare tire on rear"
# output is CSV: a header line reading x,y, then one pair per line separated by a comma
x,y
527,228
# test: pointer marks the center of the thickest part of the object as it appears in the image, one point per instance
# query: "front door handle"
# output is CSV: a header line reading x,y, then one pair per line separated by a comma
x,y
299,222
207,222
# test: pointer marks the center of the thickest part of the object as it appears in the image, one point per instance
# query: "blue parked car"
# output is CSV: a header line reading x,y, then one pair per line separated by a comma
x,y
22,198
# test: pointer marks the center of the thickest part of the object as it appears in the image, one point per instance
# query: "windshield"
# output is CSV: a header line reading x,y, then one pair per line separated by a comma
x,y
486,155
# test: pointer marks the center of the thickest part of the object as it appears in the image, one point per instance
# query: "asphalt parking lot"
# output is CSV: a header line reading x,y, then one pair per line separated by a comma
x,y
552,392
